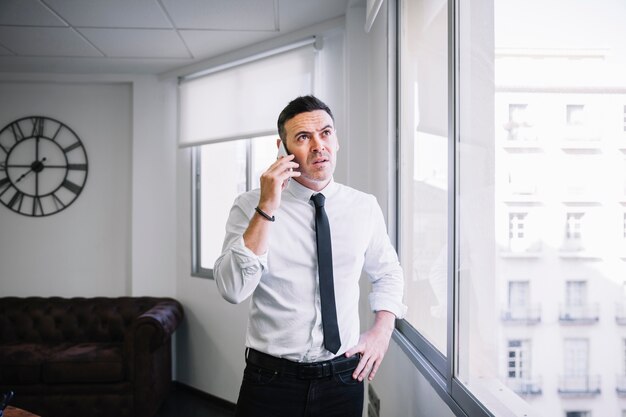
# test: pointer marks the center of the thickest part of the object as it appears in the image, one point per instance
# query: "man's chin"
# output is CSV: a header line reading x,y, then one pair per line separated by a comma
x,y
315,182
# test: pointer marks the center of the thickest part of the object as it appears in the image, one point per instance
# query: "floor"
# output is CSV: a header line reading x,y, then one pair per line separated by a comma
x,y
185,401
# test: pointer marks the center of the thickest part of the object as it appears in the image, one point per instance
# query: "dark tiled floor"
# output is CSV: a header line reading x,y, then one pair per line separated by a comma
x,y
187,402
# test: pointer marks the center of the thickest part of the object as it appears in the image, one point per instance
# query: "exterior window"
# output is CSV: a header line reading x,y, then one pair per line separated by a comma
x,y
518,359
576,357
519,125
574,226
575,115
574,231
519,308
576,293
518,232
225,169
519,295
576,378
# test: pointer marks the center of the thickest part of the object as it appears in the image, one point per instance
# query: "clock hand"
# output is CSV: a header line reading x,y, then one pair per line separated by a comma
x,y
36,166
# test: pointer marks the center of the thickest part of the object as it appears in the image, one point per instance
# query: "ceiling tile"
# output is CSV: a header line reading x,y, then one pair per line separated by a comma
x,y
222,14
204,44
31,41
111,13
140,43
27,13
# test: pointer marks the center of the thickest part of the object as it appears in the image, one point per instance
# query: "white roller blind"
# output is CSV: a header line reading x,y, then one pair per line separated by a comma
x,y
243,101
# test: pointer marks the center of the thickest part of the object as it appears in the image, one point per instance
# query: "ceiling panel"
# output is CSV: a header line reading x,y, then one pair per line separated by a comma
x,y
111,13
141,43
38,41
223,14
204,44
27,13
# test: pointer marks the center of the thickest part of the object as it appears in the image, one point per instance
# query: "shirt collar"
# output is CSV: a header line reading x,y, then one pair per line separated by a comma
x,y
303,193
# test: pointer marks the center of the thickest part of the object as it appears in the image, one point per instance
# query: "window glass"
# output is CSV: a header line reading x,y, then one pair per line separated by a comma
x,y
224,169
540,245
424,187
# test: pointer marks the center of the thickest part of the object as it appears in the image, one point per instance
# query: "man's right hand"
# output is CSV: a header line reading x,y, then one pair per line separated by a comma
x,y
274,180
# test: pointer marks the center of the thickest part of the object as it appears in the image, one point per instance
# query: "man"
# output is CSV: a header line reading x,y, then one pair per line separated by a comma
x,y
305,356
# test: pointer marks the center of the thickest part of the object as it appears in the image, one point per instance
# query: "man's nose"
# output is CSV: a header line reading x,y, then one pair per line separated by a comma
x,y
317,144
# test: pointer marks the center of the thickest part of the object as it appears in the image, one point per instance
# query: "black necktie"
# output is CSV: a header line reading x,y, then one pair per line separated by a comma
x,y
332,342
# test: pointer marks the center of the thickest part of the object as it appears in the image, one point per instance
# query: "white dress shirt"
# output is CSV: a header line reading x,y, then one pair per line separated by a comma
x,y
285,314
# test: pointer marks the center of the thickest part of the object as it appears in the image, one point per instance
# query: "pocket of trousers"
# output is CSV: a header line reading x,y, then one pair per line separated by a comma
x,y
345,378
259,376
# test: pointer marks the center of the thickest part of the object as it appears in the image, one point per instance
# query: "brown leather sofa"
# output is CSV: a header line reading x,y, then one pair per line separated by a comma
x,y
79,357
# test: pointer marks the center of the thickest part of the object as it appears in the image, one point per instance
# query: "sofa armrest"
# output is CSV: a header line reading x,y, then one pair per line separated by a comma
x,y
154,327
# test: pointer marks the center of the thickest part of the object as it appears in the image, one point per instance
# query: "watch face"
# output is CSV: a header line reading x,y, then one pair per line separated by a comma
x,y
43,166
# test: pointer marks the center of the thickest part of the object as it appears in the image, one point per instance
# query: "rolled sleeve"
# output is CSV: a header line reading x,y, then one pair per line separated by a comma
x,y
384,270
238,270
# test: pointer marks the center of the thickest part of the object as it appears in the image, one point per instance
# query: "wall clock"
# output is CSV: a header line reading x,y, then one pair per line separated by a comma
x,y
43,166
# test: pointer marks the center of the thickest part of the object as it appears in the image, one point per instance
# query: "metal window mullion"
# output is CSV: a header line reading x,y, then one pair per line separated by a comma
x,y
248,164
453,184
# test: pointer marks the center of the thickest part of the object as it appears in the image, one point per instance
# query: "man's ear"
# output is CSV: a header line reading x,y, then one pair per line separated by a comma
x,y
278,143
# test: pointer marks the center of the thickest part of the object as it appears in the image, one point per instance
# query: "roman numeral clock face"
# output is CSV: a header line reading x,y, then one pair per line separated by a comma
x,y
43,166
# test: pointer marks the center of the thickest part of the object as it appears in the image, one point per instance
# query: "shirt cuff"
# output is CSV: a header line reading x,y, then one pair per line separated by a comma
x,y
380,302
248,261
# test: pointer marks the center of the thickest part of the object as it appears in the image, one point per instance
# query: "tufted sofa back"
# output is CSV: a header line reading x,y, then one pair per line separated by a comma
x,y
56,319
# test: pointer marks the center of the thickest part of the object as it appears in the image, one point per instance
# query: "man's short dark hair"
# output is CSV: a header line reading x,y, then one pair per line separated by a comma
x,y
299,105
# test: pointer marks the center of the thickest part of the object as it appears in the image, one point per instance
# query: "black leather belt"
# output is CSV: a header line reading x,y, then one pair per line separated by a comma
x,y
302,370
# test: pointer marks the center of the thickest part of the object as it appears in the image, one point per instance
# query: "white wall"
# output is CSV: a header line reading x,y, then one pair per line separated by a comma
x,y
84,249
118,237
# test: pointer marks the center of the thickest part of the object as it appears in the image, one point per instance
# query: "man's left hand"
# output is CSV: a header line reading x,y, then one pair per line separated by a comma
x,y
373,346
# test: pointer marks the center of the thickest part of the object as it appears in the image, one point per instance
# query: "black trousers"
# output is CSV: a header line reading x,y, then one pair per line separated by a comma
x,y
279,393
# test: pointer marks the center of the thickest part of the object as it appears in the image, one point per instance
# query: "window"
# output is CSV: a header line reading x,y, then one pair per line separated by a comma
x,y
424,191
238,165
576,366
511,66
518,359
519,125
577,308
517,232
575,114
574,230
519,304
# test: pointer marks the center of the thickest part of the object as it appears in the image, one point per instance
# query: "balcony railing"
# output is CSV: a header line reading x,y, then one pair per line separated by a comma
x,y
530,314
525,387
620,313
620,385
579,314
579,385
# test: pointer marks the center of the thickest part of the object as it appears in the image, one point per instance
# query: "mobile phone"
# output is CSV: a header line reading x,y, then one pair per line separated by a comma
x,y
282,151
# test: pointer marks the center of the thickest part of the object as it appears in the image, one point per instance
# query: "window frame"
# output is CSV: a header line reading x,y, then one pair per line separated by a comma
x,y
196,213
437,368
